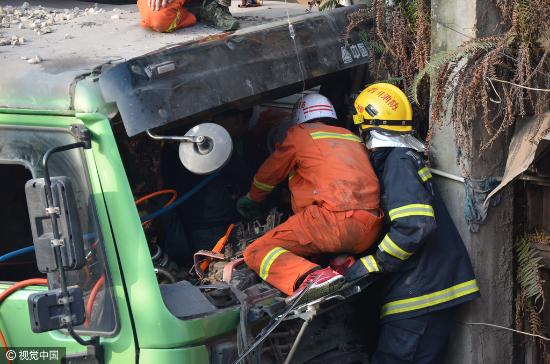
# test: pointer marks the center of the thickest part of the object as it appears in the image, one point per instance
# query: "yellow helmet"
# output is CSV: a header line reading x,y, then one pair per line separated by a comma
x,y
383,106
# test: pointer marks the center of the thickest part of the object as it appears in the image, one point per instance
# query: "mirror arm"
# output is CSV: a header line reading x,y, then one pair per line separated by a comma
x,y
189,139
53,211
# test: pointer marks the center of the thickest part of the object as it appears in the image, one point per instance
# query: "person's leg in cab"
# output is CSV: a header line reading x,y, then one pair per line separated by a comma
x,y
418,340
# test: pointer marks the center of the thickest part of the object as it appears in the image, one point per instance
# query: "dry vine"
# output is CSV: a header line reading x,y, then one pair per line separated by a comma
x,y
399,45
468,81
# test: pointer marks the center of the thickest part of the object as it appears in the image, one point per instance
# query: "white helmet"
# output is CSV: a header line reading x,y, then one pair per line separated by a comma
x,y
312,106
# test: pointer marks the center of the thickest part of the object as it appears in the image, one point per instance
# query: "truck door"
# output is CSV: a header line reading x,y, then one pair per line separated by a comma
x,y
23,142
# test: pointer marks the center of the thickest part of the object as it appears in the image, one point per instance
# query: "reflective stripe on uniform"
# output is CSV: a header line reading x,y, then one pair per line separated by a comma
x,y
425,174
415,209
174,23
262,186
327,135
430,299
370,263
291,175
392,249
268,261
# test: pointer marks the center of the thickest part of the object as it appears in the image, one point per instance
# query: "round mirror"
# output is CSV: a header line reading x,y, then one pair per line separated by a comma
x,y
208,155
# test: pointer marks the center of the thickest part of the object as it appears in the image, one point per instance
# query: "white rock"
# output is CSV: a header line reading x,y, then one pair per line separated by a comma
x,y
24,58
34,60
115,17
25,5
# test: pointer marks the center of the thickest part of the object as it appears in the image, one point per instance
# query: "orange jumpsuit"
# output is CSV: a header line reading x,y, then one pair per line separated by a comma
x,y
335,199
173,16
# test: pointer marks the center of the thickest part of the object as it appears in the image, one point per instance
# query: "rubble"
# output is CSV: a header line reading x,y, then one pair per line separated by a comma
x,y
41,20
34,60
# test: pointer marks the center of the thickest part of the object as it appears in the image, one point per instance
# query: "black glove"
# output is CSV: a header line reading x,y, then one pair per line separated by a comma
x,y
362,267
248,208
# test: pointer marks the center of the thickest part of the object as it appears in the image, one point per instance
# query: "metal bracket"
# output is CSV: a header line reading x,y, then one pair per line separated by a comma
x,y
53,210
189,139
310,309
65,300
65,320
58,242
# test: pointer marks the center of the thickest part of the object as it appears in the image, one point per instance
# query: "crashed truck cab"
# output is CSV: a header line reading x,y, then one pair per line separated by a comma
x,y
78,139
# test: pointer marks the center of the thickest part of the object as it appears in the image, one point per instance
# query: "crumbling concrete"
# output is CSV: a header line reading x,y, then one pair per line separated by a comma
x,y
453,22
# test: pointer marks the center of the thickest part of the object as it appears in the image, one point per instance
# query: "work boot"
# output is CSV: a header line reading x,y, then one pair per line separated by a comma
x,y
218,15
317,284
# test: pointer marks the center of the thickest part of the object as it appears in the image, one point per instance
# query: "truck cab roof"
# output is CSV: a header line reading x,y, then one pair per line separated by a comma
x,y
78,46
155,79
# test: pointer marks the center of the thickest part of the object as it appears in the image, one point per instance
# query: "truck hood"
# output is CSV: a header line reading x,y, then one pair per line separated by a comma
x,y
192,81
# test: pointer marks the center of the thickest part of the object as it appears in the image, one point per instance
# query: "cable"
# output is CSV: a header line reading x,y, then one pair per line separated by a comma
x,y
10,290
4,345
16,253
506,328
174,194
90,304
181,199
22,284
521,86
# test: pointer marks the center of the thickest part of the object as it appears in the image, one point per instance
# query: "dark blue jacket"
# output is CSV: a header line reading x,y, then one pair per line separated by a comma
x,y
421,254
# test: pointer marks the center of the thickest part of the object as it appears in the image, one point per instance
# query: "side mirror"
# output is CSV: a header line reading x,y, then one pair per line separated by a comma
x,y
209,154
70,240
47,311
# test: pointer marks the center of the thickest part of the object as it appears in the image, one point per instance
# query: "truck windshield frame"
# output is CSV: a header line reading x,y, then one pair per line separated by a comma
x,y
25,146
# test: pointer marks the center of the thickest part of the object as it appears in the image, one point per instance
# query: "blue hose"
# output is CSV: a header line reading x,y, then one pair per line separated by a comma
x,y
180,199
16,253
155,214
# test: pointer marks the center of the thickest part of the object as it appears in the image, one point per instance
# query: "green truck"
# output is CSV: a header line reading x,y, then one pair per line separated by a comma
x,y
69,215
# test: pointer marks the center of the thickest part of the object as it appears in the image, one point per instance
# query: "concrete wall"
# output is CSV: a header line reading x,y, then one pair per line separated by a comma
x,y
454,21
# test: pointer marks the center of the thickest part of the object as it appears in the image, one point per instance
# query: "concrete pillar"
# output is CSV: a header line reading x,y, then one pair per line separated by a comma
x,y
453,22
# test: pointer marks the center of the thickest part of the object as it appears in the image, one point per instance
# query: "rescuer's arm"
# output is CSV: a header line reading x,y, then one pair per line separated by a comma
x,y
409,210
276,168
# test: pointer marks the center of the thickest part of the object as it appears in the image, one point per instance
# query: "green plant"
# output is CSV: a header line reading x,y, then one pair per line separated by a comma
x,y
530,294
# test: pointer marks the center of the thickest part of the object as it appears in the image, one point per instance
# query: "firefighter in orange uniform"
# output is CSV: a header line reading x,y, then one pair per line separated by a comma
x,y
165,16
335,199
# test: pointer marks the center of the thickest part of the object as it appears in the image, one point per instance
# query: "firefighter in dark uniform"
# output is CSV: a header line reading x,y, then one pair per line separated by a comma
x,y
421,259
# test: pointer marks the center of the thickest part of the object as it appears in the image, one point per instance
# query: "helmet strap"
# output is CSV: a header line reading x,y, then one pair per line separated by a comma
x,y
379,122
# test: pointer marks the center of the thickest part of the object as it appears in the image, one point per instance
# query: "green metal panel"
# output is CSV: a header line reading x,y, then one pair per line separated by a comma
x,y
194,355
14,316
156,327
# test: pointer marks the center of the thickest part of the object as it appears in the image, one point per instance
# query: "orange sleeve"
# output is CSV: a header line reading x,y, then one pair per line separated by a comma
x,y
276,168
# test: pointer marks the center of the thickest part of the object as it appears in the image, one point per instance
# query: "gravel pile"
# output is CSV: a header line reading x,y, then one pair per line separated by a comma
x,y
39,19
